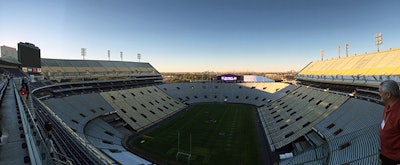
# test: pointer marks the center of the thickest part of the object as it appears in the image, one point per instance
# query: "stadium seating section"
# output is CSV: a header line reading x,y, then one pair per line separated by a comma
x,y
142,107
333,122
336,128
56,69
368,68
379,63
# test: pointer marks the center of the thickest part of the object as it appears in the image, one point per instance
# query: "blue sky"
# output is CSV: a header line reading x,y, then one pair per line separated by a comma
x,y
202,35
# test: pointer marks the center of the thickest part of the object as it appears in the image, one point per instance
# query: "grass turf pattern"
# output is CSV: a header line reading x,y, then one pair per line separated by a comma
x,y
219,133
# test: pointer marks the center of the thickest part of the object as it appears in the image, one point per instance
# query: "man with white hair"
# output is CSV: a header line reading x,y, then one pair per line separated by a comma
x,y
390,128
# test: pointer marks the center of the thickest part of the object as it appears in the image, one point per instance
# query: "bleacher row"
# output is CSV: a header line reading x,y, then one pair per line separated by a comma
x,y
355,122
350,135
88,114
317,155
286,115
245,93
78,110
3,85
14,72
294,115
378,63
270,87
81,114
358,146
352,116
65,141
60,69
366,69
142,107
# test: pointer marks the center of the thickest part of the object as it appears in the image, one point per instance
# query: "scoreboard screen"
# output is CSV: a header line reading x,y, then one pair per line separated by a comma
x,y
29,55
229,78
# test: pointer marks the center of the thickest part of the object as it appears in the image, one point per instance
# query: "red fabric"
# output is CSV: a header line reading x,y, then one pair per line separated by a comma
x,y
390,134
23,91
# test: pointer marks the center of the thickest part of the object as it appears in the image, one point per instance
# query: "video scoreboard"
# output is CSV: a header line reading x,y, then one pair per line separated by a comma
x,y
229,78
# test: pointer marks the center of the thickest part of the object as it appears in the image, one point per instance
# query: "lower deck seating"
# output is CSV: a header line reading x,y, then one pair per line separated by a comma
x,y
294,115
142,107
102,135
351,133
83,114
358,146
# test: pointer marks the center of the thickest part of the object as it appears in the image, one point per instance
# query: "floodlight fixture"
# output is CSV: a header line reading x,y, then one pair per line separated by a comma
x,y
83,53
109,54
322,54
378,40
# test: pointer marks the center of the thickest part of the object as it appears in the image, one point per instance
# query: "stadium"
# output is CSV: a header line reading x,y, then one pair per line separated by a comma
x,y
330,115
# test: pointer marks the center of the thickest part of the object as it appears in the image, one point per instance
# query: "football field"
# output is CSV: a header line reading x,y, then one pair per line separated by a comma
x,y
208,134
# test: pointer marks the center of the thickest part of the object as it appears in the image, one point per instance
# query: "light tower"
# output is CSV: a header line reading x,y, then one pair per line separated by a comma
x,y
139,56
322,55
122,54
83,53
378,40
109,54
347,49
339,50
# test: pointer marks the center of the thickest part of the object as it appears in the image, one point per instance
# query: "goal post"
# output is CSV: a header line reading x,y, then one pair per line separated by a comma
x,y
184,154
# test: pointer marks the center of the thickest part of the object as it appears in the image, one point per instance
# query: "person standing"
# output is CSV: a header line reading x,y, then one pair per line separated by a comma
x,y
48,127
25,83
390,127
24,93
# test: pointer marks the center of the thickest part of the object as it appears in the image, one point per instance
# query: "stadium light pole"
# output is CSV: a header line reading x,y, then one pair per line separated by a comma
x,y
378,40
322,55
347,49
109,54
139,56
339,50
83,53
121,55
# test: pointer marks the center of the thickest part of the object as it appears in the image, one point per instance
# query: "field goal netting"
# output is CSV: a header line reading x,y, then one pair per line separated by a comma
x,y
180,153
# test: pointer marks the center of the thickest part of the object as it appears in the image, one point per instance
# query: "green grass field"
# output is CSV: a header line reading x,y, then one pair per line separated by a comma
x,y
220,134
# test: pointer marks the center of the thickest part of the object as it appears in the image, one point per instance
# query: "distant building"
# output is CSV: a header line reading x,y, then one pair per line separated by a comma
x,y
254,78
9,54
29,56
231,78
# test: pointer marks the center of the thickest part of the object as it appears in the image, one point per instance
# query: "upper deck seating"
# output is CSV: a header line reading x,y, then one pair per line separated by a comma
x,y
72,69
377,63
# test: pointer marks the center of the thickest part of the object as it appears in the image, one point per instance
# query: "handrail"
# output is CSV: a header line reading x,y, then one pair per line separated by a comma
x,y
33,149
75,137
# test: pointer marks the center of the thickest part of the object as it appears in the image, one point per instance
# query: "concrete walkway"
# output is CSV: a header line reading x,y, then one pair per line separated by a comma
x,y
11,151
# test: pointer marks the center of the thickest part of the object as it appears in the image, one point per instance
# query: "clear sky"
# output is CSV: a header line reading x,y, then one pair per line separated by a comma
x,y
202,35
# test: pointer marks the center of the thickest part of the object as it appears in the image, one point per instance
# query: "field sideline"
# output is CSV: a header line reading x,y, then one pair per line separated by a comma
x,y
220,134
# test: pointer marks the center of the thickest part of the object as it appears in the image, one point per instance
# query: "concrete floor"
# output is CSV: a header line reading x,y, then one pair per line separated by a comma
x,y
11,151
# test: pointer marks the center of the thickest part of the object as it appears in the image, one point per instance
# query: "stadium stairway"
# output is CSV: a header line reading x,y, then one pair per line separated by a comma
x,y
12,147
